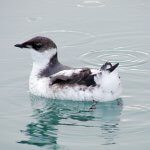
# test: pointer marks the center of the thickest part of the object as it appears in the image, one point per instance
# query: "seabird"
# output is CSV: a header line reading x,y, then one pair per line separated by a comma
x,y
51,79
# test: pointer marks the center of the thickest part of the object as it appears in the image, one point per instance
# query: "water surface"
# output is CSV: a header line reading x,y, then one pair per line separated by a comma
x,y
87,33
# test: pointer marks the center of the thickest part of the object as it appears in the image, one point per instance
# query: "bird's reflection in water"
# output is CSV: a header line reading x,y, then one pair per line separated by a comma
x,y
49,115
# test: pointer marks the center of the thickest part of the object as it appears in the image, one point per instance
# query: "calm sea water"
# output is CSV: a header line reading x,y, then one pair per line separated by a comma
x,y
87,33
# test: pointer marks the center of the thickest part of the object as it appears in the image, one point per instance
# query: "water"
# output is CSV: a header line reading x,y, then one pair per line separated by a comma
x,y
87,33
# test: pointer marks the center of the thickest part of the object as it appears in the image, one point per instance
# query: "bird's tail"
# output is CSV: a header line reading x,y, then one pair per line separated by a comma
x,y
109,67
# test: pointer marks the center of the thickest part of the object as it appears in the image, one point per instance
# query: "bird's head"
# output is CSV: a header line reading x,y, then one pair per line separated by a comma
x,y
41,48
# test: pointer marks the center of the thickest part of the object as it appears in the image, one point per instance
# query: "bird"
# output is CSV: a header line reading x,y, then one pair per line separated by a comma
x,y
51,79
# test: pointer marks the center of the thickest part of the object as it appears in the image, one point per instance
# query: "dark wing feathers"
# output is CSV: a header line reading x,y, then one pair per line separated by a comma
x,y
84,77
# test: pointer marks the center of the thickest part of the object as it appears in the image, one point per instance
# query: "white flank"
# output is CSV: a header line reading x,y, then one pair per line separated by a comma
x,y
108,87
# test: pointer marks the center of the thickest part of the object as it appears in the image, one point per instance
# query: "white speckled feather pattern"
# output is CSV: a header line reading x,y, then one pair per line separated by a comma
x,y
108,87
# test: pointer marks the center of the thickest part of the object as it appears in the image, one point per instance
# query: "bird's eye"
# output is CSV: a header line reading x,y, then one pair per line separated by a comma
x,y
38,45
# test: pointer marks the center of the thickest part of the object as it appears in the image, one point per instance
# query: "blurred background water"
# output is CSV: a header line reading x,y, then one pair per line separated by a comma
x,y
87,33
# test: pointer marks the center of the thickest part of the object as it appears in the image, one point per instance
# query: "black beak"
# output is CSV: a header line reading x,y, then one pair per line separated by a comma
x,y
19,45
23,45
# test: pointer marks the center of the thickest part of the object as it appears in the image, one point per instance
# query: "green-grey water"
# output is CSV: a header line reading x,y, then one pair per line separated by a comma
x,y
87,33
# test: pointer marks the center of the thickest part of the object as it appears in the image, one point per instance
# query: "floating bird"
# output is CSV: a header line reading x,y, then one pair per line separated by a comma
x,y
51,79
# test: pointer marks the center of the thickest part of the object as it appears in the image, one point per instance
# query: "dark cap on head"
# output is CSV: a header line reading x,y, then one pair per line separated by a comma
x,y
38,43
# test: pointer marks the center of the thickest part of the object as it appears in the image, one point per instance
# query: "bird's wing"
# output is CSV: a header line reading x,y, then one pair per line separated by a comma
x,y
74,76
84,76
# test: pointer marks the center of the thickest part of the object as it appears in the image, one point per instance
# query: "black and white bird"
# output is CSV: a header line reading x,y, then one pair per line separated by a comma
x,y
51,79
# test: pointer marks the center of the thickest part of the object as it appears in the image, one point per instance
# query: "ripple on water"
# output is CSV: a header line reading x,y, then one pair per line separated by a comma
x,y
91,4
129,49
126,58
145,4
136,120
66,38
33,19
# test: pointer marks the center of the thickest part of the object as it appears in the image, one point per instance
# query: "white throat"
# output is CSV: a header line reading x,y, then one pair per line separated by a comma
x,y
41,60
